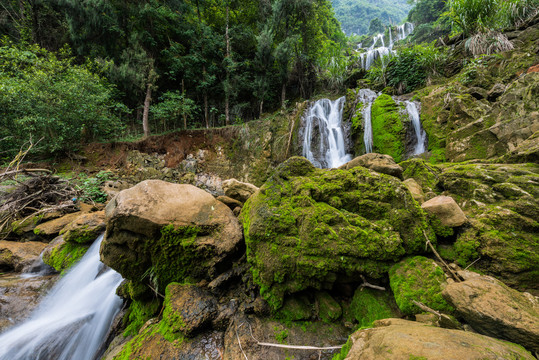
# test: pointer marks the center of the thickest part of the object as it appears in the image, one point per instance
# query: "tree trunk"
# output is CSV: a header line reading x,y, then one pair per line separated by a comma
x,y
206,117
227,90
283,96
261,107
146,112
184,115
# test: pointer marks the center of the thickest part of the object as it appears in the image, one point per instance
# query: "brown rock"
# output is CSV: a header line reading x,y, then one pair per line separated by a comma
x,y
85,228
378,162
238,190
16,255
494,309
231,203
398,339
181,228
415,189
445,209
53,227
188,308
496,91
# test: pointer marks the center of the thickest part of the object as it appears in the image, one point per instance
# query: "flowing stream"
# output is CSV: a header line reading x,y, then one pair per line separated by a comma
x,y
420,134
323,141
373,53
367,97
73,320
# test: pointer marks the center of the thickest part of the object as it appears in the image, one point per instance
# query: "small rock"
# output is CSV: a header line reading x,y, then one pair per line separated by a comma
x,y
85,228
415,189
238,190
378,162
188,308
496,310
231,203
16,255
445,209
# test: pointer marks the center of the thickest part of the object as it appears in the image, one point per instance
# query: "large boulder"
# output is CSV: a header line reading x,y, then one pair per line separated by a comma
x,y
496,310
501,202
404,340
85,228
238,190
17,255
384,164
309,227
446,210
168,232
418,279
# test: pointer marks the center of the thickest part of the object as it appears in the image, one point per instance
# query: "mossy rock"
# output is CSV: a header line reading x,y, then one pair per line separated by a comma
x,y
420,279
295,308
422,172
328,309
62,255
501,202
369,305
139,313
388,132
308,227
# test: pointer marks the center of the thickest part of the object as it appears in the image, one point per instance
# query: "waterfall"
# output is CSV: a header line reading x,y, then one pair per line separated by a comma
x,y
323,141
367,97
73,319
420,135
373,53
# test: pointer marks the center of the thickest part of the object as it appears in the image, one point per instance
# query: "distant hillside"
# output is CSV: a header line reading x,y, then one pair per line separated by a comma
x,y
356,15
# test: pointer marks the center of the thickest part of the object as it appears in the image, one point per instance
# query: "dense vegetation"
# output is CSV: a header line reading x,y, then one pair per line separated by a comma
x,y
356,15
193,63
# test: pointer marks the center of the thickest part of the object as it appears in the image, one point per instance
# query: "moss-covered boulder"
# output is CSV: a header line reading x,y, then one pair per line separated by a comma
x,y
388,131
369,305
309,228
168,233
501,202
85,228
62,255
420,279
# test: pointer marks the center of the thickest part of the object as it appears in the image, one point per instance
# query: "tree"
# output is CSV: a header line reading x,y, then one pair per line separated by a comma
x,y
376,26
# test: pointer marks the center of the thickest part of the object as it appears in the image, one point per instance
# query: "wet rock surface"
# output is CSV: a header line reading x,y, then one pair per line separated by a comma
x,y
15,256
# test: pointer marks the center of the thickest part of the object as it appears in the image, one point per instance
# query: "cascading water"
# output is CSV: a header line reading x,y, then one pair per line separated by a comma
x,y
367,97
373,53
420,134
323,140
74,318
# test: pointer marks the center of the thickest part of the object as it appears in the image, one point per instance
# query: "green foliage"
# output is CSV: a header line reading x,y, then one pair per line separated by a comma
x,y
426,11
45,96
172,107
355,16
90,186
473,16
413,66
376,26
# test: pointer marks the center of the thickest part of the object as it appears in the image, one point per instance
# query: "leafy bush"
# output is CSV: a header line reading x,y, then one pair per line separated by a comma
x,y
44,95
473,16
90,187
172,106
409,69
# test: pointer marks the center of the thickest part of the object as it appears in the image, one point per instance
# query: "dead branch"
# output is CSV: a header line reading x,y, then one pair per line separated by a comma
x,y
476,260
295,347
24,171
432,311
369,285
454,275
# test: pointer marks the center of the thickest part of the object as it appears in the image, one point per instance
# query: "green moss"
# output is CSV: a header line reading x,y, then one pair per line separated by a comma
x,y
306,226
387,127
65,256
139,312
439,229
369,305
344,351
295,308
329,310
424,174
82,235
281,336
419,279
466,247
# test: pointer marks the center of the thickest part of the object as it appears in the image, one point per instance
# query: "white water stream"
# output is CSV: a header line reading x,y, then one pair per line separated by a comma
x,y
367,97
323,122
373,53
420,134
73,320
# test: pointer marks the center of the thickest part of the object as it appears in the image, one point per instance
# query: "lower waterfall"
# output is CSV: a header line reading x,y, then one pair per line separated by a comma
x,y
420,135
323,140
73,320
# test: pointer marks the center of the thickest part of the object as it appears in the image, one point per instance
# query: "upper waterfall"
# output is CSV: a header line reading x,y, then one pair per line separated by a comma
x,y
73,320
323,138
